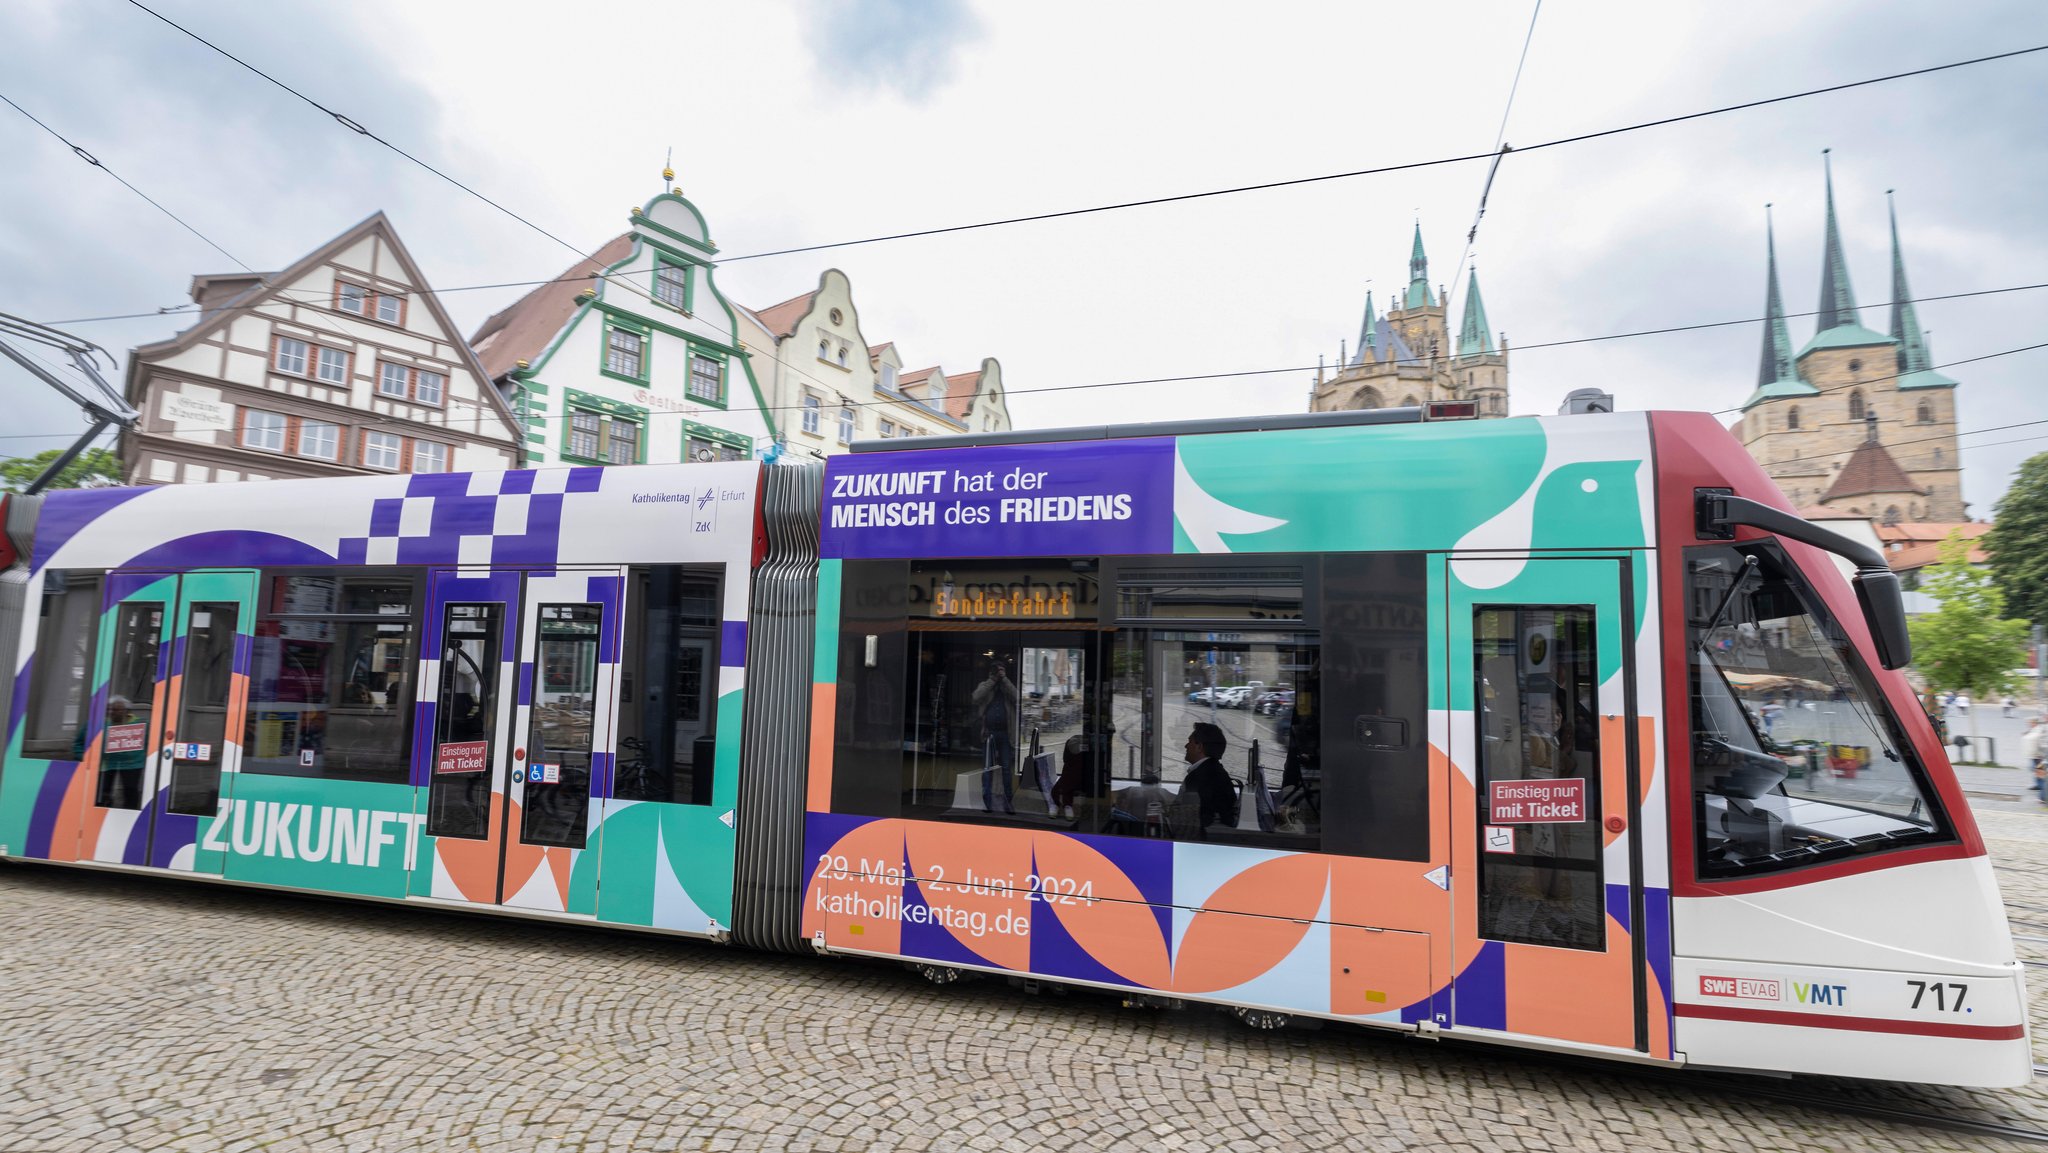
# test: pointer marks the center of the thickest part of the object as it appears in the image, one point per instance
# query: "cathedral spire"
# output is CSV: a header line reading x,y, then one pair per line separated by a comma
x,y
1777,361
1365,330
1474,338
1837,299
1777,377
1915,358
1419,295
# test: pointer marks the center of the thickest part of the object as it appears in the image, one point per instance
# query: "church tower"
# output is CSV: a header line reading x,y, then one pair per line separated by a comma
x,y
1407,358
1851,397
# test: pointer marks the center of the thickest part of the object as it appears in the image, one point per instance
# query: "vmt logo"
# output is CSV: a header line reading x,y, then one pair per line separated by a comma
x,y
1836,995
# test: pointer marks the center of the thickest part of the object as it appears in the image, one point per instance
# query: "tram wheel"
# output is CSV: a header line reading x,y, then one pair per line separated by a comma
x,y
1262,1018
937,974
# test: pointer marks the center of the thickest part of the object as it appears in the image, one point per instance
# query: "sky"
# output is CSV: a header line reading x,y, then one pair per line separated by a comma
x,y
809,123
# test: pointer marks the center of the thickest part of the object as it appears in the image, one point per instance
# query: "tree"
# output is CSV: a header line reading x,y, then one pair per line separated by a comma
x,y
2018,543
1966,645
94,468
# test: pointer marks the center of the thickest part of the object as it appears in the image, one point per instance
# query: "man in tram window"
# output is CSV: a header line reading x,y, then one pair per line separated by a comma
x,y
1206,777
995,702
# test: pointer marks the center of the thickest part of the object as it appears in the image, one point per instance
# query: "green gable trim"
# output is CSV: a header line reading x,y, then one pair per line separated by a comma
x,y
1779,390
680,256
604,404
533,388
639,220
536,438
1925,378
1845,336
727,437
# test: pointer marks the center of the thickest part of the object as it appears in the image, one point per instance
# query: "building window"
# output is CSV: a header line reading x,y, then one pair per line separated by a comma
x,y
400,382
672,284
701,449
1926,413
319,440
847,424
1855,366
390,309
1855,406
596,436
291,355
885,429
842,356
429,457
812,407
262,430
707,378
889,376
624,353
824,349
383,450
333,366
1792,417
352,298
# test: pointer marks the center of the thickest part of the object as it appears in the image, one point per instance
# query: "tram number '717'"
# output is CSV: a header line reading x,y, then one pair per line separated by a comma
x,y
1939,989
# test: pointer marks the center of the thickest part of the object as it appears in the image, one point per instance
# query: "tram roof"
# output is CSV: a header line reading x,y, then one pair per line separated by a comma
x,y
1272,423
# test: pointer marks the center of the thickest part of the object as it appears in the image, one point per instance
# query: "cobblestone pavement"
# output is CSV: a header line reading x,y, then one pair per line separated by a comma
x,y
152,1014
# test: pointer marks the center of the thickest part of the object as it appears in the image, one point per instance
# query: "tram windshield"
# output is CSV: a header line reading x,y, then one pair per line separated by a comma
x,y
1796,757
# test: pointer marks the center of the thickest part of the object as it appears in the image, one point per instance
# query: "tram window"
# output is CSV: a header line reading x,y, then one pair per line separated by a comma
x,y
1371,735
131,702
67,635
1536,685
556,810
1796,758
331,675
203,707
668,692
466,716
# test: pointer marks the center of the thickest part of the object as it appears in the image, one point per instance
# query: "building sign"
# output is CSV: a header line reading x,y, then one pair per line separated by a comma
x,y
191,412
462,757
1538,802
1098,497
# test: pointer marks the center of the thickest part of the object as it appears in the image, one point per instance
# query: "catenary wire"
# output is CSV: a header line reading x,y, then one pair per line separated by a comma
x,y
95,161
361,130
1500,151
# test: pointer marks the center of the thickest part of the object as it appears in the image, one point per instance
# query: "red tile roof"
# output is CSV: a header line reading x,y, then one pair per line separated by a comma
x,y
522,332
1870,469
959,399
780,319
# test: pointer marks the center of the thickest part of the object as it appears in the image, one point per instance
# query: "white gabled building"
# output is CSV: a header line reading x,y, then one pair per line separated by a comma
x,y
632,357
343,363
827,387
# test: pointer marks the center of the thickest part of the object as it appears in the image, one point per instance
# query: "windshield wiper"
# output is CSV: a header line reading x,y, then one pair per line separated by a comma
x,y
1714,622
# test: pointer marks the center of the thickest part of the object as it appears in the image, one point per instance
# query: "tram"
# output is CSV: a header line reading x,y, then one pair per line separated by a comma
x,y
1555,732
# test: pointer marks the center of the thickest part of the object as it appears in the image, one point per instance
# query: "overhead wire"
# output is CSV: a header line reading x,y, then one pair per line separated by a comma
x,y
96,162
1500,150
361,130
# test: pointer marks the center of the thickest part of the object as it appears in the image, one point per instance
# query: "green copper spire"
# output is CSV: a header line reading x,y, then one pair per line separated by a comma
x,y
1474,338
1915,359
1776,378
1419,295
1838,325
1365,332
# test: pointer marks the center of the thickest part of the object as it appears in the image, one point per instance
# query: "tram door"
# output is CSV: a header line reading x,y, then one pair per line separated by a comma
x,y
520,672
174,662
1545,874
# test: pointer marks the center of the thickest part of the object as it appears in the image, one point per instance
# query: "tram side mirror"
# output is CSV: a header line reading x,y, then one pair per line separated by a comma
x,y
1884,610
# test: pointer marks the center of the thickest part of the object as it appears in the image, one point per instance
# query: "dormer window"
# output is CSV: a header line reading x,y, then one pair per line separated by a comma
x,y
889,376
672,284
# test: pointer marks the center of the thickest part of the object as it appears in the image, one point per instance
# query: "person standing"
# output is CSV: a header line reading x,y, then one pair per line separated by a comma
x,y
2034,753
995,701
1206,777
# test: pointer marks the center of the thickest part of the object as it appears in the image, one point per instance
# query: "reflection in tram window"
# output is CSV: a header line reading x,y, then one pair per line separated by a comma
x,y
1536,700
668,692
203,707
331,675
1173,697
1796,756
557,787
67,631
459,799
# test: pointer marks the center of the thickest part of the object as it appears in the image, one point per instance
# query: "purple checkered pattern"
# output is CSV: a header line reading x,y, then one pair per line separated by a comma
x,y
486,518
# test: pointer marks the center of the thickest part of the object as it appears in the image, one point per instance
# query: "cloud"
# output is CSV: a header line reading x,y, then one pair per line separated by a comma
x,y
905,46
